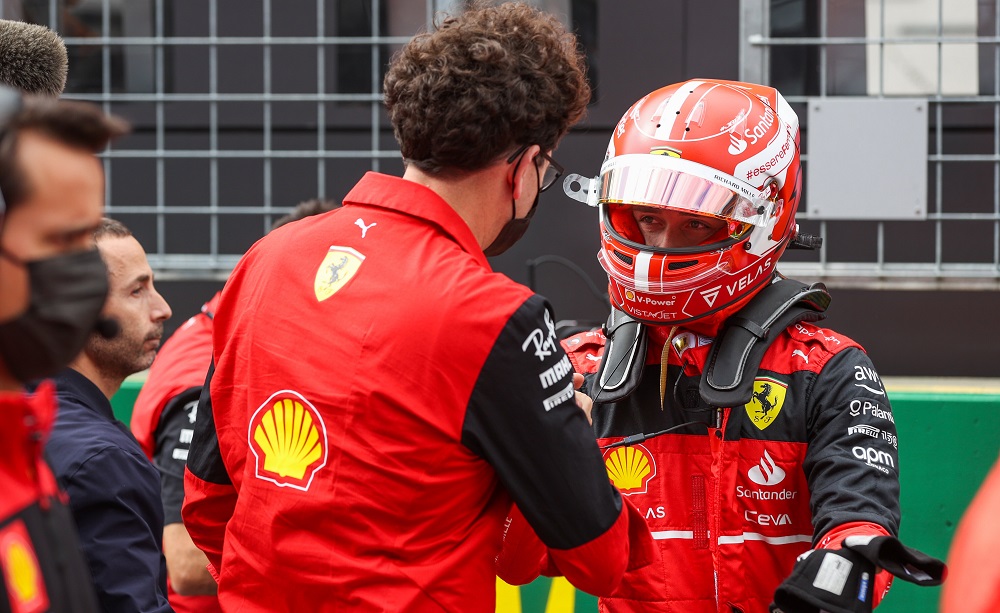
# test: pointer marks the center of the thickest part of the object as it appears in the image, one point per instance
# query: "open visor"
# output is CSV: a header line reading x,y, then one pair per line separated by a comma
x,y
662,180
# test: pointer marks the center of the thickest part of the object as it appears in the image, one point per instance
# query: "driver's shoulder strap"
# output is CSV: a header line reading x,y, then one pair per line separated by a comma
x,y
739,349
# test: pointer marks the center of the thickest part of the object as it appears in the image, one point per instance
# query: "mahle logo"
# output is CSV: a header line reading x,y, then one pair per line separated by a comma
x,y
630,468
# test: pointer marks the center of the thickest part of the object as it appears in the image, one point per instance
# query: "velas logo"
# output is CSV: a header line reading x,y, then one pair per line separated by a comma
x,y
766,472
337,268
21,572
630,468
710,295
766,401
289,440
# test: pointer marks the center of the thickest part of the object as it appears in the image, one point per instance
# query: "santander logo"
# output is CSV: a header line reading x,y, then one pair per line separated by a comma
x,y
766,472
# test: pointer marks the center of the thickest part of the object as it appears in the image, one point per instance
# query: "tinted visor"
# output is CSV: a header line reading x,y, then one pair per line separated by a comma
x,y
660,180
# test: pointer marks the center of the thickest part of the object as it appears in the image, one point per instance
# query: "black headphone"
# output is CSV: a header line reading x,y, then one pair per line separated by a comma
x,y
10,105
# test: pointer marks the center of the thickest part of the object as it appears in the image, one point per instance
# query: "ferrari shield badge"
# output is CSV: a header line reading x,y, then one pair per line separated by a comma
x,y
766,402
338,267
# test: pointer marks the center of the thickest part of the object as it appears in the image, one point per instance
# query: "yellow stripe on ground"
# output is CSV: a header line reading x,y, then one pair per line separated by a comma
x,y
942,385
508,597
562,597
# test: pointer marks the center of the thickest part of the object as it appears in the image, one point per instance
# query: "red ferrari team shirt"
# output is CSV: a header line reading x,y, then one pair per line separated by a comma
x,y
362,441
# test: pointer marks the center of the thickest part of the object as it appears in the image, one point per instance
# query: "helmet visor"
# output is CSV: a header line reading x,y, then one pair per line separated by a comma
x,y
661,180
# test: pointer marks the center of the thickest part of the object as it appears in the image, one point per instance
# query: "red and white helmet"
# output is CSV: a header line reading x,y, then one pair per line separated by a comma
x,y
723,149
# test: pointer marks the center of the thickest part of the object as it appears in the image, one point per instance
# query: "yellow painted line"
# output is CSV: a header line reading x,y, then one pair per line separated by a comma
x,y
562,597
508,597
942,385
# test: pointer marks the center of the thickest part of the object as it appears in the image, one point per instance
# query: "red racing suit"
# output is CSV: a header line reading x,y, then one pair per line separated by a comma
x,y
161,421
362,443
736,495
41,565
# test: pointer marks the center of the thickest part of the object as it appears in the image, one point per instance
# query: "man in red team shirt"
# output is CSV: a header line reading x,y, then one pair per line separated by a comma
x,y
163,422
361,441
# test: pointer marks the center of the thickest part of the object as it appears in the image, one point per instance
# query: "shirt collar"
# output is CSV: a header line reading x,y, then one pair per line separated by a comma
x,y
80,387
385,191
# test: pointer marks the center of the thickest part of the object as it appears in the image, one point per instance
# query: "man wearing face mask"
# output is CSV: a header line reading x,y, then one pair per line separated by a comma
x,y
358,399
52,287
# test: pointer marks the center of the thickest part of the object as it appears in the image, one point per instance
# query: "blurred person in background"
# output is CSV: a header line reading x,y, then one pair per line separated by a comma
x,y
360,443
746,435
163,422
53,285
114,491
974,583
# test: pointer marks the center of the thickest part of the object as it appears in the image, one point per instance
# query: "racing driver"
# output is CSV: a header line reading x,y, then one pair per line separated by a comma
x,y
745,434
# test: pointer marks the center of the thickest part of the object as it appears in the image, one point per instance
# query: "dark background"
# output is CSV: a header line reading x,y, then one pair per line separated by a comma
x,y
634,46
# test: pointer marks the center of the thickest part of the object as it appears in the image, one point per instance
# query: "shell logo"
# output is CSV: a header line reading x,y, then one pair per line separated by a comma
x,y
288,437
21,572
630,468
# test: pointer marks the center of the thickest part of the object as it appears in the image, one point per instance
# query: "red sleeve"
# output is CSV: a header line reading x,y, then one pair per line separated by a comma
x,y
836,536
206,511
596,567
973,584
523,555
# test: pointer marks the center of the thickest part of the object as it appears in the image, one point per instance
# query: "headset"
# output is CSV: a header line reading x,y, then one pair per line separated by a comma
x,y
10,105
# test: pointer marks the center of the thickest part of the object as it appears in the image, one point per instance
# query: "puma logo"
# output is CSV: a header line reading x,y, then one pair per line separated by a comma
x,y
364,229
804,356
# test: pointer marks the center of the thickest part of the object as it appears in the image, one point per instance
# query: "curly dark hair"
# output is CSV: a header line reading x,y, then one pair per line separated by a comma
x,y
482,84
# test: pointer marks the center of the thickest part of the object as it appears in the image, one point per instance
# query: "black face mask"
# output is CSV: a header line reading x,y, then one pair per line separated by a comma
x,y
67,295
513,230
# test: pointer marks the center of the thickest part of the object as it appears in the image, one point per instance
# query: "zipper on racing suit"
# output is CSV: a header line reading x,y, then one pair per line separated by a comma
x,y
716,433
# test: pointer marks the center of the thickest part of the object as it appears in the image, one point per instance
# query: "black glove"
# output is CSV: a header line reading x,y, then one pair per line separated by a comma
x,y
843,580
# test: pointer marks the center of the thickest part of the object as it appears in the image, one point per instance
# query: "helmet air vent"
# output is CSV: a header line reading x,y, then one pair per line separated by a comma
x,y
624,258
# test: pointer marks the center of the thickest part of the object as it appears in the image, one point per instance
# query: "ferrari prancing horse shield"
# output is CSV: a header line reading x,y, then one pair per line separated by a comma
x,y
338,267
765,404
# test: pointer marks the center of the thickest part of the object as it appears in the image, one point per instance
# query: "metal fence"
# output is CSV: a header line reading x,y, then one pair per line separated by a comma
x,y
241,108
881,49
238,108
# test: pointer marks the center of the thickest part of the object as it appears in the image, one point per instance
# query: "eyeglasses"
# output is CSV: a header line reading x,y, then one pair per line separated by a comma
x,y
553,172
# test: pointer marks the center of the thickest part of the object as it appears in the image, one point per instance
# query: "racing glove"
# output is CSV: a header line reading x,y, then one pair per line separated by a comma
x,y
842,580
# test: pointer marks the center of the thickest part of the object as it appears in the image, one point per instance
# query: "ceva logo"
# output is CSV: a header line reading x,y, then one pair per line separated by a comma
x,y
766,472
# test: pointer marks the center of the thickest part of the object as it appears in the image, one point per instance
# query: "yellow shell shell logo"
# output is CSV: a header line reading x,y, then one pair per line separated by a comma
x,y
24,572
288,437
766,402
630,468
23,577
337,268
